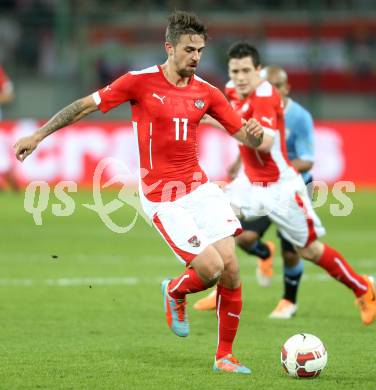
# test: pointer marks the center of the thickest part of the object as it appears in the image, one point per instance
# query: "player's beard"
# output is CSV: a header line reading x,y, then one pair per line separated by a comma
x,y
187,72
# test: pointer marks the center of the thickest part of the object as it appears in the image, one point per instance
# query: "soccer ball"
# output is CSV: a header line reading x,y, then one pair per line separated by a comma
x,y
303,356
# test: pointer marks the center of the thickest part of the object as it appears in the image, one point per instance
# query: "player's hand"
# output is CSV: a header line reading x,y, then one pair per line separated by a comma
x,y
254,128
25,146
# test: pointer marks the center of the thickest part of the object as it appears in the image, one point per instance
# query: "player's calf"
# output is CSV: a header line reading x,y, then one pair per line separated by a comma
x,y
362,286
204,271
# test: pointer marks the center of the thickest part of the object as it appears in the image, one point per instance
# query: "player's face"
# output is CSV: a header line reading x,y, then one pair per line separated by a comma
x,y
187,53
244,75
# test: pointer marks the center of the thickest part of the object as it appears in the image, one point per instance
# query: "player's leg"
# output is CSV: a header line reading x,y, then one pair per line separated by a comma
x,y
300,225
220,225
210,301
229,307
292,272
247,238
250,239
303,231
250,242
337,267
203,263
237,192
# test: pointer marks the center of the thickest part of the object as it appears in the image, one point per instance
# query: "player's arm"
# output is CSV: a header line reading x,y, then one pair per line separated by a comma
x,y
267,142
304,144
123,89
68,115
256,136
208,120
249,132
265,146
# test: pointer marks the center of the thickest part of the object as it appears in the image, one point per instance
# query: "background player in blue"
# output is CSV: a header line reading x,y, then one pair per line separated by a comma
x,y
300,147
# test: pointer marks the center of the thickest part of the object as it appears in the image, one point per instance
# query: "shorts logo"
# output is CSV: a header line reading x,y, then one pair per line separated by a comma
x,y
194,241
199,104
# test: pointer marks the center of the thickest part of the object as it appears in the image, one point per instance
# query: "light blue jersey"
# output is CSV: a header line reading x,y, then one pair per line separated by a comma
x,y
299,134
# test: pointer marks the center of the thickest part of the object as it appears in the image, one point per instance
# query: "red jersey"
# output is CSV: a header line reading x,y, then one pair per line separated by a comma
x,y
165,120
265,105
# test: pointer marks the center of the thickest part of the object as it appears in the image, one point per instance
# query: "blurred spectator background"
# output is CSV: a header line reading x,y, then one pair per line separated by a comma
x,y
58,50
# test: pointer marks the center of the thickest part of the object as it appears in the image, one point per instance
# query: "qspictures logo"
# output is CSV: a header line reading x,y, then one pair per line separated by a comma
x,y
37,196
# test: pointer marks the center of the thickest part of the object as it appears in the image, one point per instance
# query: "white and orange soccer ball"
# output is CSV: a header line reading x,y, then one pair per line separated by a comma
x,y
304,356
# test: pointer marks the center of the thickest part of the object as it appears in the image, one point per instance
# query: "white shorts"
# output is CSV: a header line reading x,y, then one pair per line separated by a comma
x,y
194,221
286,203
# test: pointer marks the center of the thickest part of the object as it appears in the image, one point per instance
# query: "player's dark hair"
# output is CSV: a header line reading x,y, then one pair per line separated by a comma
x,y
181,23
243,49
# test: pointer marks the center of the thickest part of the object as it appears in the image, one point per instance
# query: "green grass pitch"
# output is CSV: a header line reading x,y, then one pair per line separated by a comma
x,y
80,308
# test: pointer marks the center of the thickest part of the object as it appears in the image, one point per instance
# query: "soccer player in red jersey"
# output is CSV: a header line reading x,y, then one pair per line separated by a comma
x,y
271,186
192,215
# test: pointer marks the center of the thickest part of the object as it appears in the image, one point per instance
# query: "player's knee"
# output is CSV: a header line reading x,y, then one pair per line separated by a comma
x,y
290,259
209,265
213,271
312,252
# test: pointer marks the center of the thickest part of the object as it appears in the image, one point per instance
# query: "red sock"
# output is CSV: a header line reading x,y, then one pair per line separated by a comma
x,y
334,263
187,283
229,307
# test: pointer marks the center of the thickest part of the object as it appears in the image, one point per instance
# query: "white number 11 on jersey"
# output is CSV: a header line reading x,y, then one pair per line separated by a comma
x,y
177,128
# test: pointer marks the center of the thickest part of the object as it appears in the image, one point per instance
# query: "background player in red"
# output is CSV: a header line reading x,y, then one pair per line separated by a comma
x,y
192,215
271,186
6,97
300,147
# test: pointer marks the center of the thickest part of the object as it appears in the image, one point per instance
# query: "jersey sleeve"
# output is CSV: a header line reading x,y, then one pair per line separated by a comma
x,y
221,110
304,137
123,89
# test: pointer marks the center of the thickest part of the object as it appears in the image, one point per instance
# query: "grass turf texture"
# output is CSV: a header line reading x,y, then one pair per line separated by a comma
x,y
81,308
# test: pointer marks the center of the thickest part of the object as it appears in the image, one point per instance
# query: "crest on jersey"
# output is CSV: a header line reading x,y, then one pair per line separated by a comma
x,y
194,241
199,104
